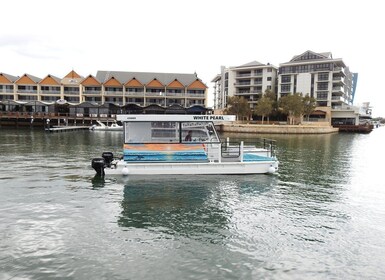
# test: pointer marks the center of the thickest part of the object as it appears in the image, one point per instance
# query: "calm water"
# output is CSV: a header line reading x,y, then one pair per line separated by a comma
x,y
321,217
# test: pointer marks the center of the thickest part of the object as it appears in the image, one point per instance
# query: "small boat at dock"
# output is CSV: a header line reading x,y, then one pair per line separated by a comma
x,y
183,144
106,127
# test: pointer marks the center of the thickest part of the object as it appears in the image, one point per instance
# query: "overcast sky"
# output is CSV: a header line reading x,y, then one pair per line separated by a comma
x,y
44,37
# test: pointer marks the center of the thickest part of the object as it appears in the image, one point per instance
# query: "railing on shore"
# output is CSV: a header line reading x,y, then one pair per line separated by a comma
x,y
48,119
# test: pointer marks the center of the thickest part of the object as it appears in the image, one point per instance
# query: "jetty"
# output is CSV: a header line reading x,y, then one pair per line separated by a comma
x,y
66,128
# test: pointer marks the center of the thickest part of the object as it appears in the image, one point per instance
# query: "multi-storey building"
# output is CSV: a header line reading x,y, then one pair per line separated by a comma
x,y
119,88
323,77
250,81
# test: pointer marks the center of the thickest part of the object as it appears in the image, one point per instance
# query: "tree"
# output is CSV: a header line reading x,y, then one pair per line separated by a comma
x,y
309,104
292,105
264,107
273,97
238,106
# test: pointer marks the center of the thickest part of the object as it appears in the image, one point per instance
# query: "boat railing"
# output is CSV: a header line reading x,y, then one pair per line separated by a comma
x,y
269,144
235,149
230,149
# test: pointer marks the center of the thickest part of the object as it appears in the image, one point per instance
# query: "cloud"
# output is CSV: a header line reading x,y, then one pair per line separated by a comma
x,y
35,47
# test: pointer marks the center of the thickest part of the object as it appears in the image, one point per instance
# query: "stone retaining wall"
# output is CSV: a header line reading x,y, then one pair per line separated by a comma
x,y
277,129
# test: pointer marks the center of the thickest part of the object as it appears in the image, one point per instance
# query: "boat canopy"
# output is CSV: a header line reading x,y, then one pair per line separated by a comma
x,y
178,118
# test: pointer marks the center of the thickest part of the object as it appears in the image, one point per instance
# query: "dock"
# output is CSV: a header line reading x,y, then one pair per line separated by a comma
x,y
66,128
361,128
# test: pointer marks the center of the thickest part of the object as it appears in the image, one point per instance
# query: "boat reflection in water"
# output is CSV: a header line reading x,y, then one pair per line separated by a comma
x,y
194,205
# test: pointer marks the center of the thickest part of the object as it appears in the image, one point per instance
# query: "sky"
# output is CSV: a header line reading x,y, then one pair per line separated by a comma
x,y
44,37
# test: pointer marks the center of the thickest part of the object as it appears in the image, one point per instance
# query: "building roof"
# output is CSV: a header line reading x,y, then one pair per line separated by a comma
x,y
27,79
9,77
72,78
251,64
146,77
312,57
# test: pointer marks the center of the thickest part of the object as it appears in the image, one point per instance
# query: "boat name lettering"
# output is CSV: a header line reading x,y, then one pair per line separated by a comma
x,y
208,118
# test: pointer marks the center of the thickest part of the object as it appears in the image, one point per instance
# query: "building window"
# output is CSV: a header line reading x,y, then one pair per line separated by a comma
x,y
322,96
285,88
269,78
286,79
323,86
323,76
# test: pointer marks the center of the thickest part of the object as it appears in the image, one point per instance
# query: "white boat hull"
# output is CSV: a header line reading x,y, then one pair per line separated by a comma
x,y
201,168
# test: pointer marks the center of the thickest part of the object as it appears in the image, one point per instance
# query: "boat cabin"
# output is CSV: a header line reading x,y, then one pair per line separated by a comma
x,y
170,137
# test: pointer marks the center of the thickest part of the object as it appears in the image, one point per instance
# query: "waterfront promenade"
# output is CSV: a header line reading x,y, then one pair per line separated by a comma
x,y
16,119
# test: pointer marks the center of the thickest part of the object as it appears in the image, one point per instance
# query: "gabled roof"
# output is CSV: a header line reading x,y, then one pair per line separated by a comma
x,y
113,82
310,55
7,79
72,78
133,83
50,80
27,80
91,81
73,75
155,83
251,64
197,84
175,84
146,77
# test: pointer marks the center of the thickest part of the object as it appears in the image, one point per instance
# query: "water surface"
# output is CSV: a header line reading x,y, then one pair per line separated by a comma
x,y
321,217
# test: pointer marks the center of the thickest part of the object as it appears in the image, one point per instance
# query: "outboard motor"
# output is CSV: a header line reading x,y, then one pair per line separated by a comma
x,y
98,164
108,158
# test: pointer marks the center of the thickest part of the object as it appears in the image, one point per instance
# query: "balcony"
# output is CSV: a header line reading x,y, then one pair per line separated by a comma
x,y
240,84
134,93
155,94
338,80
337,90
338,99
54,92
113,92
6,90
71,92
178,94
95,92
339,70
27,91
243,75
195,95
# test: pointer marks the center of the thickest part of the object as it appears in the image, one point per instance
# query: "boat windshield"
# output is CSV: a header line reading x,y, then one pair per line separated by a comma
x,y
169,132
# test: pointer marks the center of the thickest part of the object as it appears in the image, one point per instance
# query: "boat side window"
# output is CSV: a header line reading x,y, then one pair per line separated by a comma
x,y
165,132
137,132
152,132
198,132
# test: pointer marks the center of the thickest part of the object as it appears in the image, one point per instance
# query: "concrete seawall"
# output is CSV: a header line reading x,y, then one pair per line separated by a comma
x,y
277,129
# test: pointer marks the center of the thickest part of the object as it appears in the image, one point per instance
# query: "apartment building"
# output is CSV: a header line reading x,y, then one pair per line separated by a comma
x,y
117,87
250,81
323,77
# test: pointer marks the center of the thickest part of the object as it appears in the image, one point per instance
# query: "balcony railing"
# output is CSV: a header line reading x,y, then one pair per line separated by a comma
x,y
195,95
134,93
113,92
181,94
29,91
4,90
92,92
50,91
